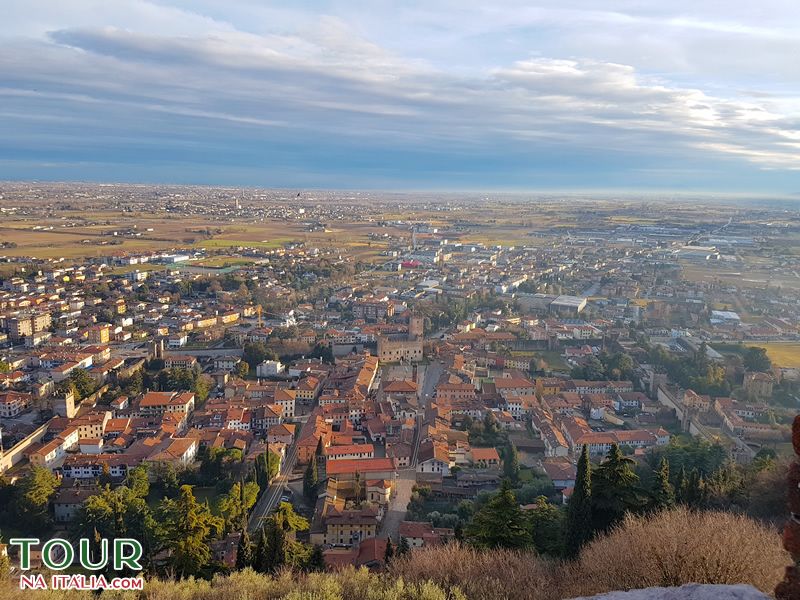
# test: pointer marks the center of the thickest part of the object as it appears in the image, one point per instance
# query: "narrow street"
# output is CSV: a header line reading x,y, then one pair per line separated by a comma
x,y
269,499
399,503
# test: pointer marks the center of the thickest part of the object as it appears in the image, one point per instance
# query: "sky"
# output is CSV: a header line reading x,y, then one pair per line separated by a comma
x,y
684,95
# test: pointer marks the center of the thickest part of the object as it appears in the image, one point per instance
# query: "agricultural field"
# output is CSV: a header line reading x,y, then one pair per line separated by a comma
x,y
782,354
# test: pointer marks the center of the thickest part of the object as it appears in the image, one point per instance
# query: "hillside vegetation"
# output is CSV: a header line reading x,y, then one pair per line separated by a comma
x,y
668,549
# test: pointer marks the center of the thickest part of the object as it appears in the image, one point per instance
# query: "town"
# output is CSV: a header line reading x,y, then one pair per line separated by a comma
x,y
333,379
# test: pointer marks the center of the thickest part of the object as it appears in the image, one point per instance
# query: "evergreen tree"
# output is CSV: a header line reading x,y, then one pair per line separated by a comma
x,y
388,555
500,522
695,490
403,548
310,479
663,494
275,556
316,560
33,499
579,509
614,490
511,462
682,487
188,527
244,554
261,555
546,524
320,448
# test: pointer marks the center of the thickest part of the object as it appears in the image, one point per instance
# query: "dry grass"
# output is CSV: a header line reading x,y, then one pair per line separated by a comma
x,y
484,575
669,549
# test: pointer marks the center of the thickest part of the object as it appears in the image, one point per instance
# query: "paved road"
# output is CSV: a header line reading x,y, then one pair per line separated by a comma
x,y
269,499
406,478
429,380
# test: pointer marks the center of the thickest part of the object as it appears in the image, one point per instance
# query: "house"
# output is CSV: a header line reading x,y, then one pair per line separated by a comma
x,y
561,472
226,363
283,433
433,458
157,403
68,501
366,468
352,451
175,451
370,553
269,368
307,389
180,362
487,458
13,403
419,534
347,527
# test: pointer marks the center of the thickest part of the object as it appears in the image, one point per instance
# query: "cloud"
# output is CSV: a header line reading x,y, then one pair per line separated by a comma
x,y
213,88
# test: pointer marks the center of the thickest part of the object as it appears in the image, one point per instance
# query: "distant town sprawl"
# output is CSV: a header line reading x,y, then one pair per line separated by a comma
x,y
319,379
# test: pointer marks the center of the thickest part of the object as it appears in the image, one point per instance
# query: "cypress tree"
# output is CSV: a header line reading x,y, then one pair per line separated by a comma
x,y
579,509
320,448
682,487
663,494
389,553
244,554
261,556
310,479
511,462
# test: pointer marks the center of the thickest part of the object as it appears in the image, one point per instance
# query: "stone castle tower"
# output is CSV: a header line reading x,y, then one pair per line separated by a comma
x,y
415,328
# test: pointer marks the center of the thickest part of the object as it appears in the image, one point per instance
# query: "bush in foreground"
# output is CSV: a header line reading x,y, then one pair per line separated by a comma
x,y
679,546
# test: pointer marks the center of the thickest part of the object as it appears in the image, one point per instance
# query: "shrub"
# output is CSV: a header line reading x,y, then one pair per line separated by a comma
x,y
680,546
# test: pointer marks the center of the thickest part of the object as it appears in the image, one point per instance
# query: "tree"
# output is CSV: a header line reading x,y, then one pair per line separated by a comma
x,y
138,481
389,552
83,382
4,366
403,547
316,560
117,513
105,476
311,479
244,553
260,555
694,492
235,505
242,369
546,524
579,509
320,451
756,359
35,491
662,494
511,462
614,490
272,547
500,523
187,529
